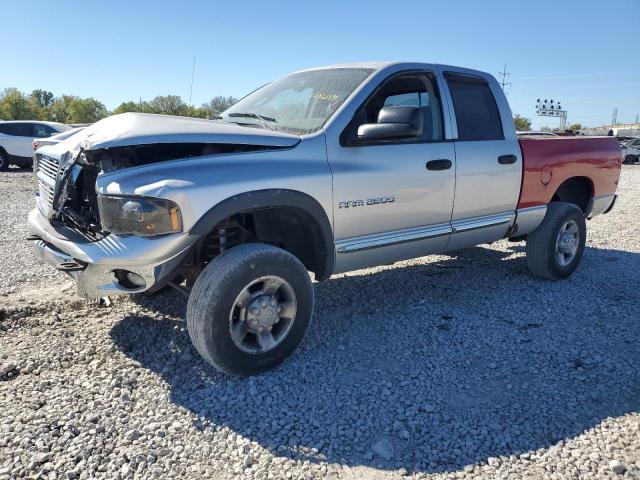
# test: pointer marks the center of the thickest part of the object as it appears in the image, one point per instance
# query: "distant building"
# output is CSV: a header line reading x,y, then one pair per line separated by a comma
x,y
621,130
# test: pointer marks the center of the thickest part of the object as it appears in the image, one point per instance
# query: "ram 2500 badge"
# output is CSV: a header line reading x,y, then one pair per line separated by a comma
x,y
325,170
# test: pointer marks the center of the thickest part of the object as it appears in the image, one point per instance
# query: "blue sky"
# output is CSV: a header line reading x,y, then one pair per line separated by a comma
x,y
584,53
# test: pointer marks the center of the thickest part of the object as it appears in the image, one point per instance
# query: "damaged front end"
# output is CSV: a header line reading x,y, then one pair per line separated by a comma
x,y
66,187
66,193
124,243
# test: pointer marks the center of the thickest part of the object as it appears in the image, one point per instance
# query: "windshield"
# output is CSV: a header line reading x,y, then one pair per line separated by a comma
x,y
298,103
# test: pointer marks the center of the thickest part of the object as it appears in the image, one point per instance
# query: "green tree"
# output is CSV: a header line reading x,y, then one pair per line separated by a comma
x,y
41,101
217,105
14,105
42,98
131,107
86,110
575,127
168,105
196,112
59,110
522,124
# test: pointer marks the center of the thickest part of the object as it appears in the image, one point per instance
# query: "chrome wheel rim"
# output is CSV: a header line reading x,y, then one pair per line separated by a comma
x,y
567,243
262,314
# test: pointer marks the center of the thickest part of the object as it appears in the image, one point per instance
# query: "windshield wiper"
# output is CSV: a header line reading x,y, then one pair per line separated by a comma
x,y
264,121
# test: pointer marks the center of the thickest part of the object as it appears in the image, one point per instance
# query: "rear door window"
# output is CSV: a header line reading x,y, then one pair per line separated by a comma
x,y
43,131
477,114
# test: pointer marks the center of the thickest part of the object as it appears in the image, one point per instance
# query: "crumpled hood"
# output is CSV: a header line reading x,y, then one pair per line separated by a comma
x,y
145,128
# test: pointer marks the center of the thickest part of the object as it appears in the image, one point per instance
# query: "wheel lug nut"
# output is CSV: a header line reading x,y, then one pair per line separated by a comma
x,y
254,310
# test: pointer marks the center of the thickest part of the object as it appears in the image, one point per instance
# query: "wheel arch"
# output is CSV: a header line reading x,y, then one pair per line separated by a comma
x,y
578,190
306,216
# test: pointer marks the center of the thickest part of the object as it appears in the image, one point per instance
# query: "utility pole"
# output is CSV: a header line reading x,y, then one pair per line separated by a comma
x,y
614,118
193,71
503,77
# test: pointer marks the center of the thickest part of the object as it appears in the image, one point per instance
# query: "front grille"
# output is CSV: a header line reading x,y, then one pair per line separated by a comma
x,y
49,166
46,193
47,175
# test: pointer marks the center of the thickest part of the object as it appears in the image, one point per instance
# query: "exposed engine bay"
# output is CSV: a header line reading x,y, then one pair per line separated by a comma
x,y
74,202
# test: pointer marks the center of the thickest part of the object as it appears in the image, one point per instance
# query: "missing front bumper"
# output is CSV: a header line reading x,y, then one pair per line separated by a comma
x,y
113,265
93,280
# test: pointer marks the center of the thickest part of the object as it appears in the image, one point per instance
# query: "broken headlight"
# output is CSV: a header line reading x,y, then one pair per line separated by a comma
x,y
141,216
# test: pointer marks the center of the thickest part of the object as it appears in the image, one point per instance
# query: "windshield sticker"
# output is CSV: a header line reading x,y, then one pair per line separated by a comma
x,y
332,97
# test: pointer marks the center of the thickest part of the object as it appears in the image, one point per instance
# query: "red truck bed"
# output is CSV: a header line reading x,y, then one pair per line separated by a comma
x,y
548,162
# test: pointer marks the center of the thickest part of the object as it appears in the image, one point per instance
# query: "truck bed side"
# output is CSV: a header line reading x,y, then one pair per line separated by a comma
x,y
549,162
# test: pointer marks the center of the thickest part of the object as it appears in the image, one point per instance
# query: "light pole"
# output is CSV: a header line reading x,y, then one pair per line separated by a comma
x,y
550,108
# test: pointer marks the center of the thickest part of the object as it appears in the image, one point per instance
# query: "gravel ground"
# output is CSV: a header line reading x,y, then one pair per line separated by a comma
x,y
459,366
17,262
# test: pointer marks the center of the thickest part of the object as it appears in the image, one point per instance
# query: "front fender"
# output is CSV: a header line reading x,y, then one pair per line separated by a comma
x,y
209,189
322,233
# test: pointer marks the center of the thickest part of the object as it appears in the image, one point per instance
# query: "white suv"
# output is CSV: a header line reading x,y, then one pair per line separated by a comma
x,y
16,139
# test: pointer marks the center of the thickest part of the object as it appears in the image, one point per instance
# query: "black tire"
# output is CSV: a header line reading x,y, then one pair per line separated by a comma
x,y
4,161
214,296
630,160
542,254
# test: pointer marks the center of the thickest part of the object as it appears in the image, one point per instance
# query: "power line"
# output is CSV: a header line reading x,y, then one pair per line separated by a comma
x,y
503,77
193,71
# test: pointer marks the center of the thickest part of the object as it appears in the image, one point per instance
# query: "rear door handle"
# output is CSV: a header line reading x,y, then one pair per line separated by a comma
x,y
507,159
439,164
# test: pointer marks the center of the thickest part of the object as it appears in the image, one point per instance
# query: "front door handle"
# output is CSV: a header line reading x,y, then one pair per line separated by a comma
x,y
439,164
507,159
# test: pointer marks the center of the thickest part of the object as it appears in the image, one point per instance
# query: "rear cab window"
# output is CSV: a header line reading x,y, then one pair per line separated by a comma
x,y
476,110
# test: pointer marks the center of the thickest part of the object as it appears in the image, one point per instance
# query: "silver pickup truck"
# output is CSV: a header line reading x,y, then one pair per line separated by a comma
x,y
325,170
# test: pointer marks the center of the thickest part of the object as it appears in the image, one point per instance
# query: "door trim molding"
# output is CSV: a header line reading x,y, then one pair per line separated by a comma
x,y
484,221
368,242
358,244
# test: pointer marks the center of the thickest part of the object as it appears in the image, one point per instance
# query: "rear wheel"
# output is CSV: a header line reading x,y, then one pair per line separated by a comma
x,y
4,161
250,308
630,159
555,248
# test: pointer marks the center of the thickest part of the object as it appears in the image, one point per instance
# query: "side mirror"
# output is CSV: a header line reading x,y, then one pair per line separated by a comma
x,y
393,123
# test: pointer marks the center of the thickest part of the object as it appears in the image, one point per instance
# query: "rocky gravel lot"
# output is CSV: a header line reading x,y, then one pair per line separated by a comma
x,y
459,366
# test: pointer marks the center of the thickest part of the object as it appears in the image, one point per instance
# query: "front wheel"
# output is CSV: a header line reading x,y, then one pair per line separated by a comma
x,y
631,159
4,161
250,308
555,248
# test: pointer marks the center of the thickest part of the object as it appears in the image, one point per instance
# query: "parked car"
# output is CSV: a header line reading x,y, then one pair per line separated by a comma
x,y
41,142
536,134
631,151
326,170
16,139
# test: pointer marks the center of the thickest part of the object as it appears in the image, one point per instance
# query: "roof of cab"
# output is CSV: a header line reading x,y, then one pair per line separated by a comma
x,y
380,65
